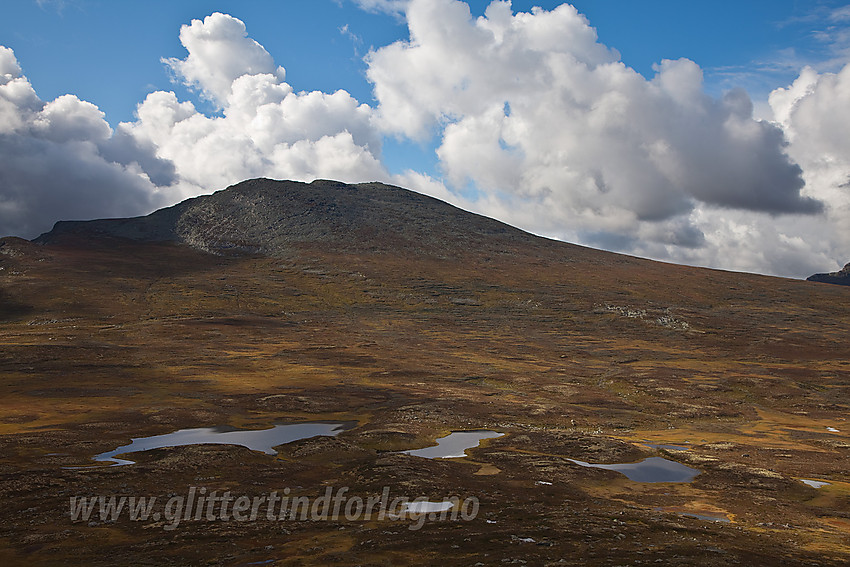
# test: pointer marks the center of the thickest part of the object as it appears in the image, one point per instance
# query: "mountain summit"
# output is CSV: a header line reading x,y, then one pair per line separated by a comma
x,y
270,217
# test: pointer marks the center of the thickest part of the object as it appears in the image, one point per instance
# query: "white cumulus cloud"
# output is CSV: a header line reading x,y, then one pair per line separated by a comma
x,y
61,160
539,124
220,52
265,127
560,137
815,114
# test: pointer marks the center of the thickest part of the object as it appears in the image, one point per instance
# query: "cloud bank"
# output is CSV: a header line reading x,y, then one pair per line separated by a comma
x,y
265,127
558,134
537,122
61,160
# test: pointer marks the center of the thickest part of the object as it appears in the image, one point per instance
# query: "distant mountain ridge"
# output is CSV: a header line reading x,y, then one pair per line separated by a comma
x,y
269,217
841,277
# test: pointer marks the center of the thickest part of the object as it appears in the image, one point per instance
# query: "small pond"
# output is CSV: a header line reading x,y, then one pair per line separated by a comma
x,y
255,439
454,445
667,447
653,469
706,517
427,507
814,483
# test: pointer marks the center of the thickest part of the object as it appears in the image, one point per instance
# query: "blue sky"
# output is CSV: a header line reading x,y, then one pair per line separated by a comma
x,y
110,54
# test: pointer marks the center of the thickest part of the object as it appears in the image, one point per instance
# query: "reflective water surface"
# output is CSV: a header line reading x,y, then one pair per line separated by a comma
x,y
814,483
427,507
653,469
668,447
255,439
454,445
706,517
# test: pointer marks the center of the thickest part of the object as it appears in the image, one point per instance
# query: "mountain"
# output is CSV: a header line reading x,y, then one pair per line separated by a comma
x,y
277,302
263,216
841,277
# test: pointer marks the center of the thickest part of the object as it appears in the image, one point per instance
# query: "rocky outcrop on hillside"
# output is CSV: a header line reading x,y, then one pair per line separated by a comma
x,y
841,277
269,217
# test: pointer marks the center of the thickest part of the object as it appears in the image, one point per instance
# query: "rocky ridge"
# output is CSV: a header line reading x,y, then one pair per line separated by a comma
x,y
841,277
270,217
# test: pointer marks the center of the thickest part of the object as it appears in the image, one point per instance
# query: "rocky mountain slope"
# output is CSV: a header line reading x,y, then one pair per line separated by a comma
x,y
841,277
270,217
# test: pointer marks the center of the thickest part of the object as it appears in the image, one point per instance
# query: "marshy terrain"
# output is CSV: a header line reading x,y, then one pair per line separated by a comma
x,y
280,302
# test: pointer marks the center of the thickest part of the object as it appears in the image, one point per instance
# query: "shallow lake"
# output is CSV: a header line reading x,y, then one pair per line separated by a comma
x,y
653,469
255,439
701,515
707,517
814,483
428,507
454,445
668,447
